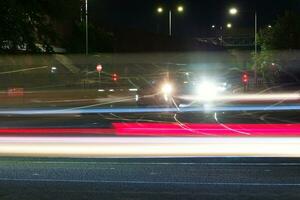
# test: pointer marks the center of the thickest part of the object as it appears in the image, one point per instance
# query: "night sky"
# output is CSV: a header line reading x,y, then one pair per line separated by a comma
x,y
198,17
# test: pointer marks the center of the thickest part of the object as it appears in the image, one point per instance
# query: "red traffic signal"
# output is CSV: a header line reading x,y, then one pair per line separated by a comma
x,y
245,78
115,77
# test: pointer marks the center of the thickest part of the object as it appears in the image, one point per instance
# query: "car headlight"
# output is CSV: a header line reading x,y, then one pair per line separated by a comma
x,y
167,89
207,91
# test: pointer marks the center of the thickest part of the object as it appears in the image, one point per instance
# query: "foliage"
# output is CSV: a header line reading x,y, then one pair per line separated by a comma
x,y
285,34
27,24
99,39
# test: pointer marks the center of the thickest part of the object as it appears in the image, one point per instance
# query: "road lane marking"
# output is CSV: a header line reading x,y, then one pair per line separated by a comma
x,y
149,182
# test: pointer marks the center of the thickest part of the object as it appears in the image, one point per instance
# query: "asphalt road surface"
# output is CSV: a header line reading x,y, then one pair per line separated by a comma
x,y
105,120
188,178
165,178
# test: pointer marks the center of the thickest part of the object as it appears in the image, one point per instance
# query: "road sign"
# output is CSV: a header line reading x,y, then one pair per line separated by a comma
x,y
99,68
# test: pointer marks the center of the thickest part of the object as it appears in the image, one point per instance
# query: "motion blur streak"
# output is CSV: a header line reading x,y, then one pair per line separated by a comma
x,y
62,131
250,97
151,110
169,129
203,130
150,147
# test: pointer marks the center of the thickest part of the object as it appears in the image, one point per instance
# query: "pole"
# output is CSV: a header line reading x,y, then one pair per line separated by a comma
x,y
255,28
221,28
86,28
170,22
255,46
99,86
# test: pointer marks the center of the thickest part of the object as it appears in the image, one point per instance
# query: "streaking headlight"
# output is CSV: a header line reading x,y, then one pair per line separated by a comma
x,y
207,91
167,89
137,97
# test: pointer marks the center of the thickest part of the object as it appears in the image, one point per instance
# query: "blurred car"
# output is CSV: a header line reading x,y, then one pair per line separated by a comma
x,y
181,92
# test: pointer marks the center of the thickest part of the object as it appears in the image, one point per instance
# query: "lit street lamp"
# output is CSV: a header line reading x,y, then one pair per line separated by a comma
x,y
99,69
229,25
233,11
180,9
160,10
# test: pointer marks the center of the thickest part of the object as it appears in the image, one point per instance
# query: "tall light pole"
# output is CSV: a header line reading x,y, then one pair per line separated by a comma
x,y
99,69
170,22
86,28
234,11
255,27
180,9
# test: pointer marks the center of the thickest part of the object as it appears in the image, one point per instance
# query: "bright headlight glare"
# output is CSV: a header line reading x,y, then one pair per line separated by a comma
x,y
207,91
167,88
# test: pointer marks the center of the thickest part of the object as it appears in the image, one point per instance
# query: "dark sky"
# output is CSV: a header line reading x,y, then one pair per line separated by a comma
x,y
198,17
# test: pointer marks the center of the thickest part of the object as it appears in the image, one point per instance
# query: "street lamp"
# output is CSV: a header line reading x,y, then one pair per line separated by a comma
x,y
160,10
229,25
233,11
180,9
99,69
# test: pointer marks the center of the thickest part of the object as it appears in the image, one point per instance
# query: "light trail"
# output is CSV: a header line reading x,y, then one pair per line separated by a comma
x,y
166,130
247,97
207,130
57,131
149,110
95,147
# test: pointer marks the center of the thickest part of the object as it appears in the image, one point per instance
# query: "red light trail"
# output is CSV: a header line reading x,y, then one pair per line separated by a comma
x,y
167,130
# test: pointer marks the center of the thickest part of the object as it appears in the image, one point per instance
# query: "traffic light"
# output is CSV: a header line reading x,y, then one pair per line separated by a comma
x,y
245,78
115,77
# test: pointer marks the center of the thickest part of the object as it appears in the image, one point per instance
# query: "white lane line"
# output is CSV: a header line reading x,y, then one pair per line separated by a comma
x,y
158,163
149,182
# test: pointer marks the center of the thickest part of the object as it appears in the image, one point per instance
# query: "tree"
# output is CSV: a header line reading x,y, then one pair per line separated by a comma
x,y
285,34
99,39
28,24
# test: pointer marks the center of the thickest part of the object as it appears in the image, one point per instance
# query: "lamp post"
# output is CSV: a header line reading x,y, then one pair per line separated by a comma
x,y
180,9
86,28
99,70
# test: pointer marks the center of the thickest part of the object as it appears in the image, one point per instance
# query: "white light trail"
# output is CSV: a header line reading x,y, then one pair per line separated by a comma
x,y
148,147
249,97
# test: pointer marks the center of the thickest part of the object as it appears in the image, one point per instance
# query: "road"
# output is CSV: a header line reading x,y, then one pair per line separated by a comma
x,y
193,176
188,178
